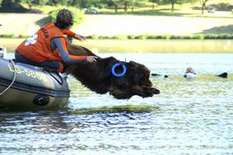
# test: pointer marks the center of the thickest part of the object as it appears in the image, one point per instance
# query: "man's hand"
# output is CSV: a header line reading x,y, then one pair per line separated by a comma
x,y
80,37
91,58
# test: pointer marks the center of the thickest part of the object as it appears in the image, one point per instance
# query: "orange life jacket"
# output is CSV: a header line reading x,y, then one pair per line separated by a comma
x,y
68,33
37,48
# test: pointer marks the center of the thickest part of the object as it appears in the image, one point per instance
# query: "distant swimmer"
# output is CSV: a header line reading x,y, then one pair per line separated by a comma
x,y
223,75
160,75
190,73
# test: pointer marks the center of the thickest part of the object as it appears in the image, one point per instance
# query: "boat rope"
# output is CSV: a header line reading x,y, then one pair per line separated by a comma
x,y
13,80
60,80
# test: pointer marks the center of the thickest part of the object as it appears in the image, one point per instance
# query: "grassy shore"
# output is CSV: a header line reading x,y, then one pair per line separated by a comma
x,y
146,46
145,22
120,26
160,46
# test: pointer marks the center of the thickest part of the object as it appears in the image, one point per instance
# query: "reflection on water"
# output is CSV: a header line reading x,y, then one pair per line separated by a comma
x,y
188,117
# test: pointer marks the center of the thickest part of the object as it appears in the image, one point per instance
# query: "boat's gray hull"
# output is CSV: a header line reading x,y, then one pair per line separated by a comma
x,y
32,89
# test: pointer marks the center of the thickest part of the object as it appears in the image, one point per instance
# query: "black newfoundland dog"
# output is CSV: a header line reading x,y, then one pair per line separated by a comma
x,y
120,79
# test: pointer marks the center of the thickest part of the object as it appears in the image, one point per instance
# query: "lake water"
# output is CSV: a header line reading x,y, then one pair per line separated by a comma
x,y
189,117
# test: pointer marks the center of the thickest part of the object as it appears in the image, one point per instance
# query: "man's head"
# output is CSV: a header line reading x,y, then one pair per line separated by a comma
x,y
189,70
64,19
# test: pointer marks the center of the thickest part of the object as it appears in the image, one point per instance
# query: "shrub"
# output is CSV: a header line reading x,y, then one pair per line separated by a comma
x,y
7,36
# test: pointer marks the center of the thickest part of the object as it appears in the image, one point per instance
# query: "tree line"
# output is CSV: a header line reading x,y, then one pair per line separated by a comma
x,y
112,4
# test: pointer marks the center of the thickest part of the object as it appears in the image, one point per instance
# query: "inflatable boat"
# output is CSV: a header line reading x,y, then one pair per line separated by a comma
x,y
26,87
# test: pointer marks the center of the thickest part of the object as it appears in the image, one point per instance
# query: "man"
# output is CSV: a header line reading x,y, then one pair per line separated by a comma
x,y
190,73
48,46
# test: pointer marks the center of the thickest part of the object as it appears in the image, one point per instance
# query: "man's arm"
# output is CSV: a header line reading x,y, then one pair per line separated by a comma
x,y
73,35
60,44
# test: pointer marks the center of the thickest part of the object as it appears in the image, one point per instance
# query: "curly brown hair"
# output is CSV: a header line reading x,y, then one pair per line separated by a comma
x,y
64,19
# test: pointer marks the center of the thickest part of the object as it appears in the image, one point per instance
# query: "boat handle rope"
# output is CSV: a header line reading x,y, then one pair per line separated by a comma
x,y
13,80
60,78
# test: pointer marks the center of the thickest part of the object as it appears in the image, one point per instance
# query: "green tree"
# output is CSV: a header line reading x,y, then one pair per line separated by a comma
x,y
135,3
131,3
83,3
63,2
40,2
12,6
173,2
116,4
203,5
75,3
7,3
125,4
155,2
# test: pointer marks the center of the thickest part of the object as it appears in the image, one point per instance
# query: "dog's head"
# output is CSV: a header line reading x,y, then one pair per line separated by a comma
x,y
135,81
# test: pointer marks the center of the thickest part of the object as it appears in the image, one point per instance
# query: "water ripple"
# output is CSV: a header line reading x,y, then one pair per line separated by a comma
x,y
189,117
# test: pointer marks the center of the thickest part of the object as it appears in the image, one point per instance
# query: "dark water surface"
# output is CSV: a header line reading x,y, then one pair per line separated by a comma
x,y
189,116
